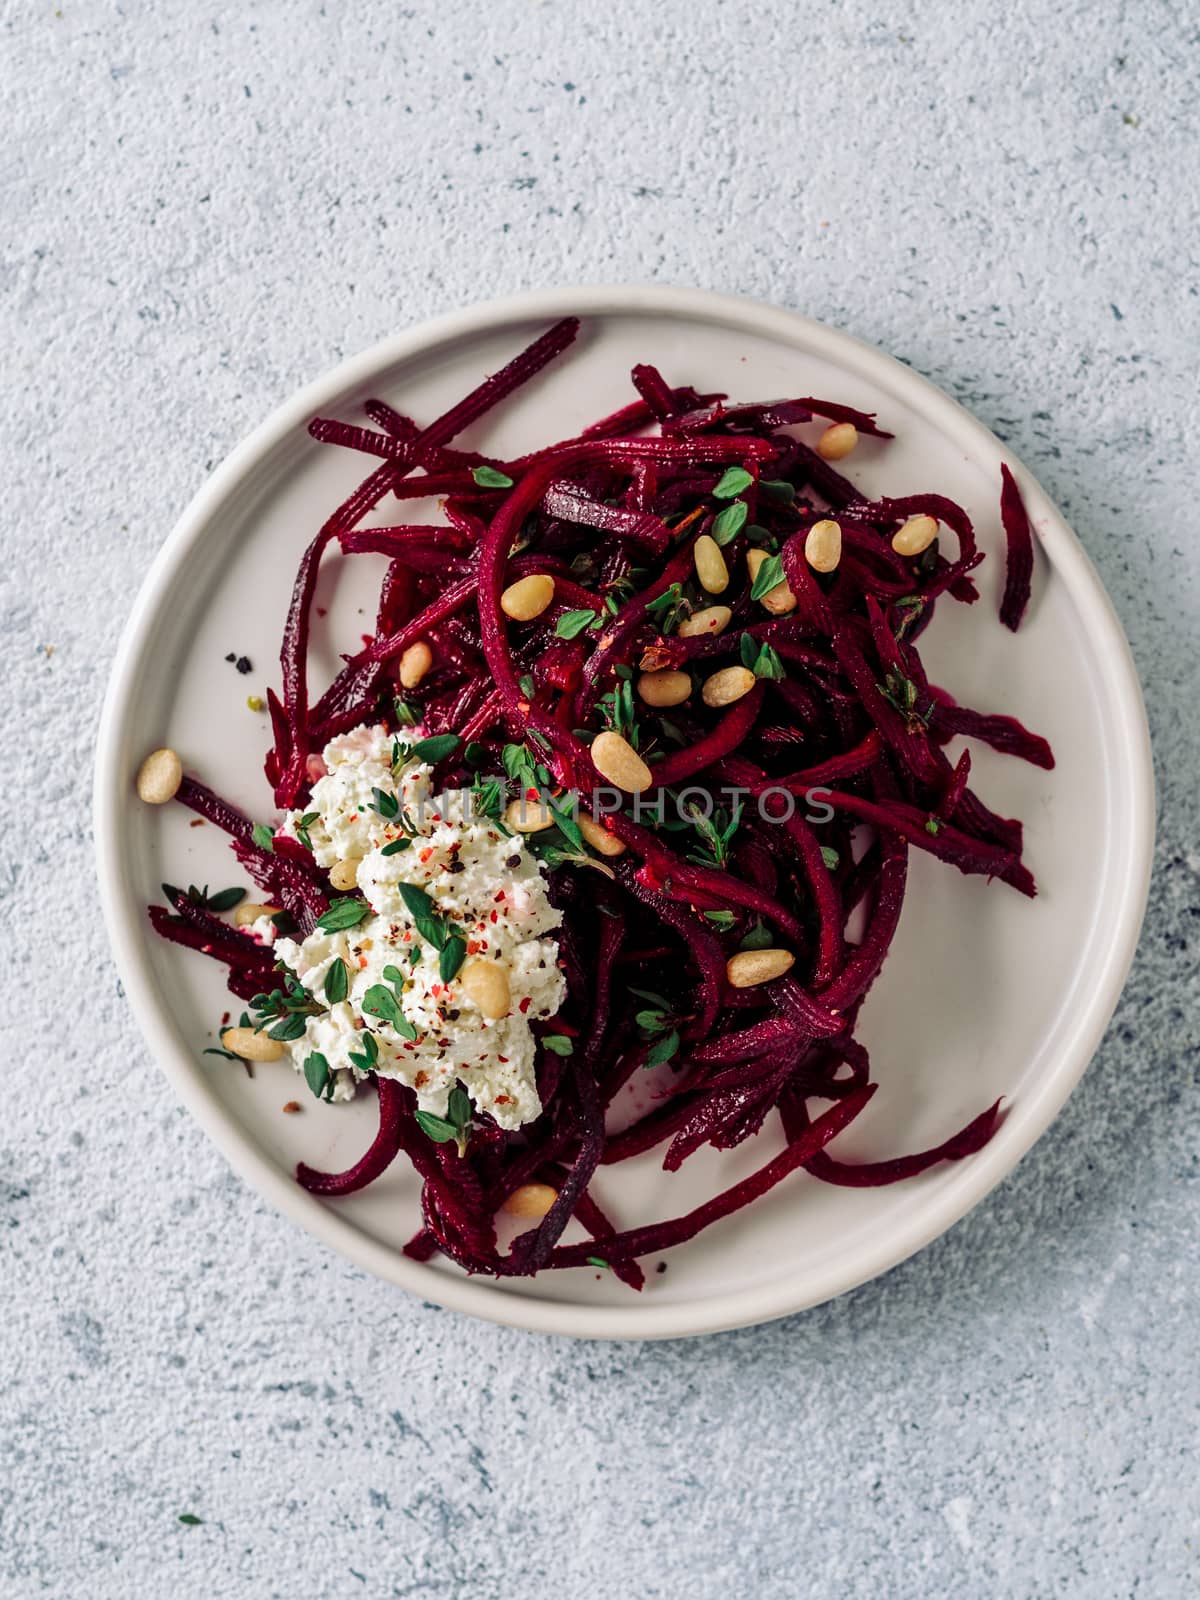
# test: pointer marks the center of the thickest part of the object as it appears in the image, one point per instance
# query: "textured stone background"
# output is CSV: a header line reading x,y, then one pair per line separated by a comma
x,y
206,204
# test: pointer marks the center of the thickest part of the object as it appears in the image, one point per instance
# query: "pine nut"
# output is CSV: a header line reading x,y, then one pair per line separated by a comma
x,y
837,441
527,814
251,1046
751,967
414,664
528,597
917,534
485,985
598,836
779,600
249,912
823,546
530,1200
344,874
712,619
159,777
710,565
664,688
728,685
615,759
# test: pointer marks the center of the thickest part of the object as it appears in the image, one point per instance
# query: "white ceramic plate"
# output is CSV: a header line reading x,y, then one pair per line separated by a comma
x,y
985,993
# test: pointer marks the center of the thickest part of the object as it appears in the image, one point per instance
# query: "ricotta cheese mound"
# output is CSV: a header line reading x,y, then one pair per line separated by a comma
x,y
486,886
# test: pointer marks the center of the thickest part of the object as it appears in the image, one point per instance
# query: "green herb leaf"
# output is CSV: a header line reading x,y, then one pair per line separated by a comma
x,y
458,1106
759,937
366,1062
394,976
724,920
190,1521
767,664
316,1073
263,837
290,1028
226,899
734,480
384,805
729,522
395,846
345,913
668,598
437,1128
664,1049
558,1043
572,623
382,1003
933,826
406,714
748,650
213,1051
770,574
830,857
424,913
337,981
477,755
651,1021
777,489
491,478
598,1261
435,749
567,825
527,686
451,957
654,999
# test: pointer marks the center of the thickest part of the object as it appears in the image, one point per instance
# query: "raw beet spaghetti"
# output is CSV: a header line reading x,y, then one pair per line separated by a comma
x,y
623,781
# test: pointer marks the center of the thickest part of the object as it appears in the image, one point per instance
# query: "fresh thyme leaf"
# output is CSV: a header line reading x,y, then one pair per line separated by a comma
x,y
451,957
263,837
226,899
458,1106
436,1128
663,1049
558,1043
654,999
572,623
385,805
394,976
759,937
435,749
724,920
477,755
748,650
567,825
491,478
767,664
213,1051
366,1062
316,1073
290,1028
652,1021
347,912
190,1521
733,481
777,489
337,981
382,1003
665,600
830,857
757,534
729,522
395,846
769,576
527,686
406,714
598,1261
933,826
424,913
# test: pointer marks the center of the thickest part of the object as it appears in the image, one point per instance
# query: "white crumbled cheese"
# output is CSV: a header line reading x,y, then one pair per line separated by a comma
x,y
488,887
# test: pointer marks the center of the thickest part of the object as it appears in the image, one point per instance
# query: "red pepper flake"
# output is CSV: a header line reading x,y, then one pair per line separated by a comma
x,y
473,947
424,855
196,822
291,1107
444,1044
495,917
525,1004
362,961
503,1100
499,897
503,1058
421,1079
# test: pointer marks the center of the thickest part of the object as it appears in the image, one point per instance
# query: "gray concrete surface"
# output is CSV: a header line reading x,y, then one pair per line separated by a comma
x,y
206,204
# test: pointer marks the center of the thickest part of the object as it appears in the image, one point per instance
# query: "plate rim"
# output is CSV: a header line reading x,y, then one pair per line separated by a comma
x,y
1129,871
